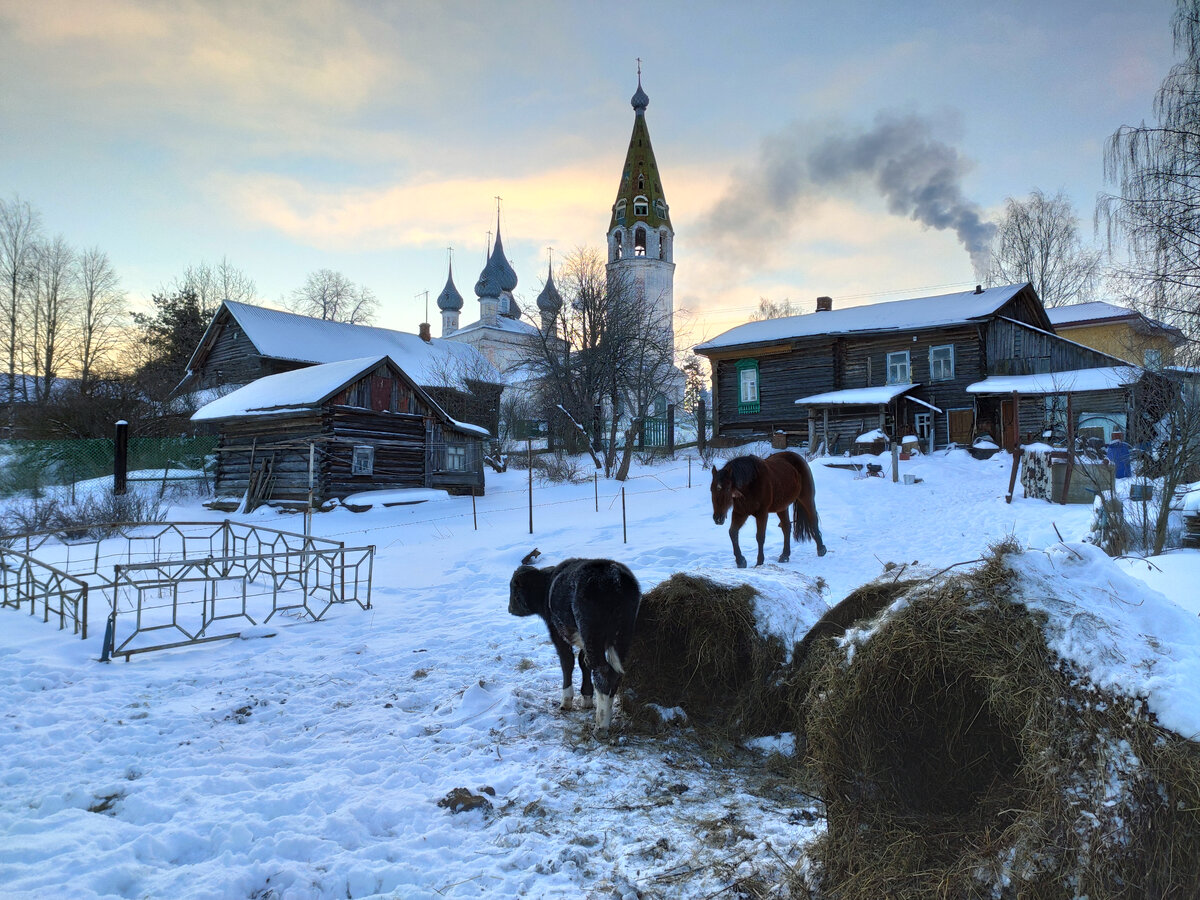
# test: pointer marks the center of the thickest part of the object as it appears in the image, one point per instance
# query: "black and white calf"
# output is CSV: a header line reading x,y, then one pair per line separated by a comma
x,y
590,605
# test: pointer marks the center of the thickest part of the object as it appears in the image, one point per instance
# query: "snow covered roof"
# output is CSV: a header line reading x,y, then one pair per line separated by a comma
x,y
286,391
501,323
1102,379
867,396
1087,312
301,390
284,335
895,315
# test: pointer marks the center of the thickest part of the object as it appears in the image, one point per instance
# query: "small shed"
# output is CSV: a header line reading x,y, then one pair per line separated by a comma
x,y
855,410
336,429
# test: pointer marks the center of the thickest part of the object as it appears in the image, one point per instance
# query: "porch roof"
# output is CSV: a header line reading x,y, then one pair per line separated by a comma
x,y
866,396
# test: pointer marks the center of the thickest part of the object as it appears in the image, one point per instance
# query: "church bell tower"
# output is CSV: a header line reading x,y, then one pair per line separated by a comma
x,y
641,241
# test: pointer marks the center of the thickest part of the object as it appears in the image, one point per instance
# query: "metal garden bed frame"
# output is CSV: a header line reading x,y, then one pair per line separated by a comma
x,y
185,579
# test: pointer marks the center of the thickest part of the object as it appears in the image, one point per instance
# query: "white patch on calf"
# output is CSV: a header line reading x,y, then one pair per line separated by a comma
x,y
610,653
586,703
568,696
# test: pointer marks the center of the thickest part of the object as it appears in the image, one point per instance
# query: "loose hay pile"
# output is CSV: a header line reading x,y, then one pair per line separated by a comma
x,y
959,757
698,648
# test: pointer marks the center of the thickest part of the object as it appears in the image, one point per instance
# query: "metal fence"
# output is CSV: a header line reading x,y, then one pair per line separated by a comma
x,y
24,579
162,605
184,580
34,465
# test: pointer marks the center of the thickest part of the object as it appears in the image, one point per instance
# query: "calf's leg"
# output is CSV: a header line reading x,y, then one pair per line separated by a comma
x,y
566,659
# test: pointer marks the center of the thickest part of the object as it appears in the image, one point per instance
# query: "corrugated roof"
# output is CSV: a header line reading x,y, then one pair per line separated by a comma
x,y
895,315
284,335
1087,312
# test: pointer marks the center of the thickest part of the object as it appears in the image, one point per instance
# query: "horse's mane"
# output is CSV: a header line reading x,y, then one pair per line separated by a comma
x,y
743,470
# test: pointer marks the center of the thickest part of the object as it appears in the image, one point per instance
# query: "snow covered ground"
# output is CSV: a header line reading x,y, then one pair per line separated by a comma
x,y
311,763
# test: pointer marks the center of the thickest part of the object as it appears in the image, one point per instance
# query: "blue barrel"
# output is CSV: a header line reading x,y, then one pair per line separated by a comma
x,y
1118,454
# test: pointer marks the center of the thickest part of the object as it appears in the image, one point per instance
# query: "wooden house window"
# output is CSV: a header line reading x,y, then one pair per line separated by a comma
x,y
898,369
1055,422
748,401
1152,359
456,458
923,424
363,462
941,363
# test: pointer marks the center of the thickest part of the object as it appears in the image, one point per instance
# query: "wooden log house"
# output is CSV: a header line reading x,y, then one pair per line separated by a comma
x,y
905,367
244,343
328,431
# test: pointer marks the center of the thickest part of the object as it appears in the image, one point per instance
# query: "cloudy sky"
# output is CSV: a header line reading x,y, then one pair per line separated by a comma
x,y
853,149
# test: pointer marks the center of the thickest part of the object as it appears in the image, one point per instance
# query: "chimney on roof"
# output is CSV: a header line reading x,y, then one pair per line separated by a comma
x,y
824,304
426,336
979,288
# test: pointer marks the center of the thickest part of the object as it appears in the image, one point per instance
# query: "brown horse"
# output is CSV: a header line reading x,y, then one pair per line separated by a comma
x,y
758,487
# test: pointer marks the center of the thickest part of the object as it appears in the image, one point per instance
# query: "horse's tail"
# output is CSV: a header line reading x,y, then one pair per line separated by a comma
x,y
805,524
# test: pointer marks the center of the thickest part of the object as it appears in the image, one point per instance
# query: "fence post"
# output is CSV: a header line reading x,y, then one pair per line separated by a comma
x,y
671,430
474,515
596,488
701,421
529,452
689,473
121,458
624,528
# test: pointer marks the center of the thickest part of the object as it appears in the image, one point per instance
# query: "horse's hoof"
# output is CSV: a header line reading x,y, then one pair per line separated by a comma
x,y
741,563
820,551
784,558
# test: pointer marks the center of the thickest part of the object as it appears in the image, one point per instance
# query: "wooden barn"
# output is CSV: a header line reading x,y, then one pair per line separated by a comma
x,y
905,367
357,425
244,343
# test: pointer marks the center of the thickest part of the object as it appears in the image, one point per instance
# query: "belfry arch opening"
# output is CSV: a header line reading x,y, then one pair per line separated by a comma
x,y
639,242
617,246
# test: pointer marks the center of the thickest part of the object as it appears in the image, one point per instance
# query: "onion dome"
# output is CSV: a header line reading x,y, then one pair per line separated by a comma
x,y
640,99
450,298
549,300
497,276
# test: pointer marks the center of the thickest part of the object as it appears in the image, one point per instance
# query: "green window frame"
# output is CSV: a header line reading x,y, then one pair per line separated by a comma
x,y
748,383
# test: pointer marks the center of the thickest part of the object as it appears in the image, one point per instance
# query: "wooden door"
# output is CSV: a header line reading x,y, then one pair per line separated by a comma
x,y
1008,424
962,424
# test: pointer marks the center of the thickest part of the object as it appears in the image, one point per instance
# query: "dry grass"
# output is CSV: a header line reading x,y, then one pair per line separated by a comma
x,y
959,758
697,648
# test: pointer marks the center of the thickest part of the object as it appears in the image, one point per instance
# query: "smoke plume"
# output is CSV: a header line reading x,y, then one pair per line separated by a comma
x,y
917,174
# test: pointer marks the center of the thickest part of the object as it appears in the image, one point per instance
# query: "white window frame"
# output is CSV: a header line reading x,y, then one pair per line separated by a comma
x,y
899,372
923,425
941,368
363,460
621,211
748,386
1152,359
641,207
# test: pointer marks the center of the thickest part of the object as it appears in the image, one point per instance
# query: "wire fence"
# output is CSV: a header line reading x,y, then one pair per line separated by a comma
x,y
31,466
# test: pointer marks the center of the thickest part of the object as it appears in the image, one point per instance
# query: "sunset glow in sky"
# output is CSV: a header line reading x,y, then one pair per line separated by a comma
x,y
369,137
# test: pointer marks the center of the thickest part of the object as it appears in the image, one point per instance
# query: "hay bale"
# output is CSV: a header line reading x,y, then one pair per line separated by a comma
x,y
718,651
960,757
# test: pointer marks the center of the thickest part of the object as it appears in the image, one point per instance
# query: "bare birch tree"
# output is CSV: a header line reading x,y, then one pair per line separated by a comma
x,y
51,315
100,312
1037,240
20,228
1155,208
332,296
213,283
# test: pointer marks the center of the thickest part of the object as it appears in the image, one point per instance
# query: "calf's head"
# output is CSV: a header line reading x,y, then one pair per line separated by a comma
x,y
527,591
